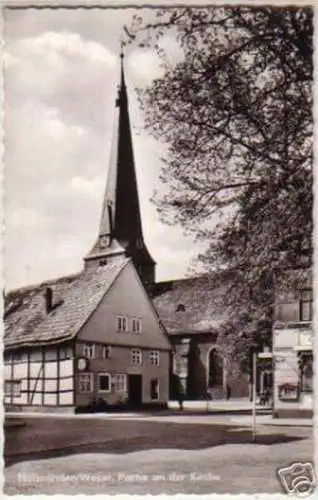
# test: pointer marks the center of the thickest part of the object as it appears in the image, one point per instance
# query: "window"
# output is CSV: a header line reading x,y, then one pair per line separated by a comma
x,y
106,352
104,382
120,382
66,353
154,389
306,371
154,358
306,301
18,357
136,357
88,351
7,359
122,324
12,387
85,382
136,325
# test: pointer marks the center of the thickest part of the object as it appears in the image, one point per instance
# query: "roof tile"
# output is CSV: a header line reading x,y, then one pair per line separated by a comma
x,y
26,321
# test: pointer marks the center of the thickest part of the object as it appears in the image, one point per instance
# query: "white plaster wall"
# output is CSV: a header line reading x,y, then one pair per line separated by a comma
x,y
37,399
50,385
66,398
51,369
50,399
20,370
35,370
66,368
66,383
36,385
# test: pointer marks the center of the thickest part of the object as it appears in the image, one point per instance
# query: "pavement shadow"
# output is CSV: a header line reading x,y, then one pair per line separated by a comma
x,y
175,437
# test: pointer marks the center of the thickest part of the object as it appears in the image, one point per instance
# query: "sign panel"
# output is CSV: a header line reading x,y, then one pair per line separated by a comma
x,y
288,392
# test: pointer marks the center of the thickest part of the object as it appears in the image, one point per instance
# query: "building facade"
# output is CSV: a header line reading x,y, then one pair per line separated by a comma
x,y
193,311
94,336
293,351
104,342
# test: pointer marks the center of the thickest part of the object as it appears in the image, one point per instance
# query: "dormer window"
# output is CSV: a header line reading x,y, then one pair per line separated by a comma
x,y
180,308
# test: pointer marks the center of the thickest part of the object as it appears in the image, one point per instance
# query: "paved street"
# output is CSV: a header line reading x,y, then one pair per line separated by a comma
x,y
129,455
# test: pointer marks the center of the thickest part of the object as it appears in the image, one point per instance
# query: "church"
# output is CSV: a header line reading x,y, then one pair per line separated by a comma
x,y
112,332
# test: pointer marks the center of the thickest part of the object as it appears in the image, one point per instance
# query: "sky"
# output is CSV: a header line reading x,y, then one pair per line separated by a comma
x,y
60,83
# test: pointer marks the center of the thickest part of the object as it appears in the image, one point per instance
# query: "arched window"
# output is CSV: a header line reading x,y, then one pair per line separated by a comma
x,y
215,369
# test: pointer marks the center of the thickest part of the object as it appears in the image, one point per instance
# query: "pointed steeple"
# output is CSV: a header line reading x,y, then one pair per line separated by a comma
x,y
120,230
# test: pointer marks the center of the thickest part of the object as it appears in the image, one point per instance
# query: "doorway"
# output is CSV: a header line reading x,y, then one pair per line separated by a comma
x,y
134,390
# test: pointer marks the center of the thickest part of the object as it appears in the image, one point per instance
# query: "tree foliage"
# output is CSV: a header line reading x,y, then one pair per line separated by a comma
x,y
236,115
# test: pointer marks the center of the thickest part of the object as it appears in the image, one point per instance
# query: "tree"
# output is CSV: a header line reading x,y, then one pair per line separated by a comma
x,y
236,115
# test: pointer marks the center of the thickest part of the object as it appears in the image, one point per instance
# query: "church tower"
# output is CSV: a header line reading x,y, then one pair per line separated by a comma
x,y
120,230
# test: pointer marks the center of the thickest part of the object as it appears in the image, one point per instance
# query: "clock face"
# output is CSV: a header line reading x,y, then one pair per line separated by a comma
x,y
81,364
104,241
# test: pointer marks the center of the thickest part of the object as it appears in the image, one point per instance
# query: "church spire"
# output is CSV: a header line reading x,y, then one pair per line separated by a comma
x,y
120,230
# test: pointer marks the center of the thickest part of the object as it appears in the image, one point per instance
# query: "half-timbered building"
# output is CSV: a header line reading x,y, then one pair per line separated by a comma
x,y
95,335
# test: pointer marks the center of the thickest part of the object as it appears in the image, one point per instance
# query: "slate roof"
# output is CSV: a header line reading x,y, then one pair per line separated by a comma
x,y
76,297
187,306
193,305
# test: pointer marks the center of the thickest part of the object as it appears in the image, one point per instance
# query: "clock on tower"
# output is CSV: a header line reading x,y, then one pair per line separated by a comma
x,y
104,241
